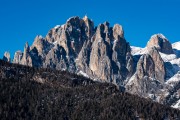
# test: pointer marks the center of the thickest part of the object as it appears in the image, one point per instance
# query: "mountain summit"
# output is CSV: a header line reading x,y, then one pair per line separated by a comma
x,y
102,53
161,43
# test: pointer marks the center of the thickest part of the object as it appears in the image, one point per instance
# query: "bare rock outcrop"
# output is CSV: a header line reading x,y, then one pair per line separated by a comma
x,y
107,56
149,76
77,46
159,70
161,43
42,45
18,57
100,63
56,59
7,57
26,59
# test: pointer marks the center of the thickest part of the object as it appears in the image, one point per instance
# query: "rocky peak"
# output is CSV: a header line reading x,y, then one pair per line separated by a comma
x,y
151,65
54,34
89,26
159,70
18,57
74,22
85,18
26,59
120,46
100,31
6,57
149,76
106,58
161,43
41,44
38,43
118,31
106,25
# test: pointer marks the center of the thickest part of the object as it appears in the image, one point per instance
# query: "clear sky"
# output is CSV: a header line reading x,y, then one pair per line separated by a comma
x,y
22,20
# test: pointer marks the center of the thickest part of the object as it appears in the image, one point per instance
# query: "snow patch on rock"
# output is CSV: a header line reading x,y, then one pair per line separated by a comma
x,y
177,105
57,26
83,74
176,45
138,50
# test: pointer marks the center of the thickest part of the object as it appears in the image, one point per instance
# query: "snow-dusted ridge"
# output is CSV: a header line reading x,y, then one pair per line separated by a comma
x,y
159,35
57,26
176,45
138,50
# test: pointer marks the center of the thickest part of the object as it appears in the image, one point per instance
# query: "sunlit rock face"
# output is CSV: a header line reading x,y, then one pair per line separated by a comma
x,y
18,57
78,46
161,43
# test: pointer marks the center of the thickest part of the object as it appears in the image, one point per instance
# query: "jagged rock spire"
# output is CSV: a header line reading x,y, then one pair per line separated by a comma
x,y
85,17
18,57
6,57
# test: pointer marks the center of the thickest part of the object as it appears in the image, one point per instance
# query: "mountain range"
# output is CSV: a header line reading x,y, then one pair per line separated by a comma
x,y
102,53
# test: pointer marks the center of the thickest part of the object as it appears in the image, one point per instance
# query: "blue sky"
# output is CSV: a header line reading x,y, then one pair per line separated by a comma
x,y
22,20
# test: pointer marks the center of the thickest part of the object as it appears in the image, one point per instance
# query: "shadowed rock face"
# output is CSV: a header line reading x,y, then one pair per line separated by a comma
x,y
161,43
7,57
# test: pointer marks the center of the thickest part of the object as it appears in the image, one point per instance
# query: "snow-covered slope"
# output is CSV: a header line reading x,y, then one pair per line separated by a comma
x,y
176,45
138,50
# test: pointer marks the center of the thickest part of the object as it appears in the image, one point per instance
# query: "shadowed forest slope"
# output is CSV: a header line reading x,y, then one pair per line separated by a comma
x,y
35,93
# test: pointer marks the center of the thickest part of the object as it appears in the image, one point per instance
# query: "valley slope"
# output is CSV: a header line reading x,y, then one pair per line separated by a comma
x,y
36,93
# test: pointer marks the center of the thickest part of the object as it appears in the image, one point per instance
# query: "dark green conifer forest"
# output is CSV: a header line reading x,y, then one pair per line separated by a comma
x,y
28,93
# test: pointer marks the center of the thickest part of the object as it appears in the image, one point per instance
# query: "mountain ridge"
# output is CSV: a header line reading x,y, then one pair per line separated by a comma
x,y
102,53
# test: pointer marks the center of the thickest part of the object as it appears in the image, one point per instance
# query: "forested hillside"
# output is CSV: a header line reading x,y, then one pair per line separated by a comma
x,y
35,93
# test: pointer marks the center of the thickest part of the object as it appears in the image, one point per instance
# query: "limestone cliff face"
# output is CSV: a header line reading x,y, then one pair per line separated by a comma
x,y
161,43
26,59
42,45
77,46
149,75
159,70
151,65
72,35
102,52
107,56
18,57
100,63
56,58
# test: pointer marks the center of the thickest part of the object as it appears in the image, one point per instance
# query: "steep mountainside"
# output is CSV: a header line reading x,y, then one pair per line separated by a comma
x,y
34,93
77,46
169,91
102,53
